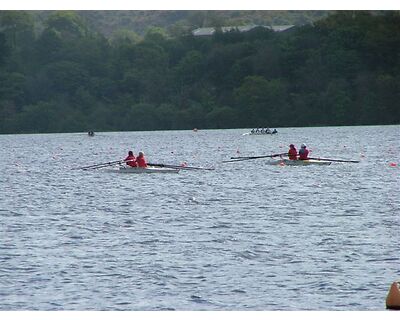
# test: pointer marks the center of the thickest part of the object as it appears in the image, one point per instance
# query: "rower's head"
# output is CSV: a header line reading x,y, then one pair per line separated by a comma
x,y
141,154
303,145
130,153
291,146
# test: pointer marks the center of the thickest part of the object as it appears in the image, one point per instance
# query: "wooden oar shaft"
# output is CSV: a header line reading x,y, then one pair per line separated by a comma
x,y
173,166
258,157
335,160
99,165
103,166
235,159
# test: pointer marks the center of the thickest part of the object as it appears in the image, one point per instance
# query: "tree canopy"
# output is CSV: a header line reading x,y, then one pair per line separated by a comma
x,y
63,77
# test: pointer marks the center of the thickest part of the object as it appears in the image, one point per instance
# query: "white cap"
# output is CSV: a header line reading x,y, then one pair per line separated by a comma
x,y
303,145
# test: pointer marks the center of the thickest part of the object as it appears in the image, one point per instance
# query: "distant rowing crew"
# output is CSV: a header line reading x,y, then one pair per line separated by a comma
x,y
262,131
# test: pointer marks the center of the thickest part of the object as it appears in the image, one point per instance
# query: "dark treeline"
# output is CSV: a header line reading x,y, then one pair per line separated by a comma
x,y
343,70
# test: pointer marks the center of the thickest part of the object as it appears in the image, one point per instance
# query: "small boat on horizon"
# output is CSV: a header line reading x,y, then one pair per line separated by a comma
x,y
261,131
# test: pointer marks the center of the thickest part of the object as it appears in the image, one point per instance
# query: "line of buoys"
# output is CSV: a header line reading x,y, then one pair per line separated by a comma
x,y
393,297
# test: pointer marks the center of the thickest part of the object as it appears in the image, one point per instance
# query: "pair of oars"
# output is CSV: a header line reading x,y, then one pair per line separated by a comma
x,y
236,159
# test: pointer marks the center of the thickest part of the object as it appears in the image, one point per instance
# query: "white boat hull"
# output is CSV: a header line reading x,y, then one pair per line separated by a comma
x,y
146,170
259,133
287,162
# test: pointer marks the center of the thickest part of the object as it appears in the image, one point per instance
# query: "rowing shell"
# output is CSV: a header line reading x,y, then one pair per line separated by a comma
x,y
288,162
258,133
145,170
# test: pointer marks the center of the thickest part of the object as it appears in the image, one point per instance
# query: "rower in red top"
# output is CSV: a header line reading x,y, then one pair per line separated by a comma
x,y
303,152
292,153
141,161
130,160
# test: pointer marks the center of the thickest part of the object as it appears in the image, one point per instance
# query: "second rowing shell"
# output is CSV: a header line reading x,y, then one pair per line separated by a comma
x,y
287,162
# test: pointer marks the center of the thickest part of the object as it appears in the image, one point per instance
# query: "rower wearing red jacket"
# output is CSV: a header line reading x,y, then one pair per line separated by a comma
x,y
303,152
292,153
130,160
141,161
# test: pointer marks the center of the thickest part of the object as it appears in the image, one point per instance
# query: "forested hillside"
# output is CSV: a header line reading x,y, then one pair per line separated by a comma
x,y
176,23
65,76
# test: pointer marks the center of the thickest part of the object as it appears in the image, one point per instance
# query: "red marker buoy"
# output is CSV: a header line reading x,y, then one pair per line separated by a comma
x,y
392,164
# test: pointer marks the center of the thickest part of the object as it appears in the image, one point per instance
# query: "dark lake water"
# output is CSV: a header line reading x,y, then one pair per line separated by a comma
x,y
246,236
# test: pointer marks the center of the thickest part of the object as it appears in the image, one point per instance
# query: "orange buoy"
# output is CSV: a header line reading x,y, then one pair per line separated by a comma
x,y
393,297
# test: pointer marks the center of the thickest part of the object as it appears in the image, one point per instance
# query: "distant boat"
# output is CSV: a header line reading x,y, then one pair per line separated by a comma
x,y
90,133
260,132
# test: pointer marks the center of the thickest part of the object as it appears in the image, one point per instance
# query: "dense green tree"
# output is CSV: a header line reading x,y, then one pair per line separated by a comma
x,y
68,24
260,99
123,36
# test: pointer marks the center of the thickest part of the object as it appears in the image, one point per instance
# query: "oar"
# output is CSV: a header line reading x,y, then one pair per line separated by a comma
x,y
335,160
173,166
237,159
257,157
99,165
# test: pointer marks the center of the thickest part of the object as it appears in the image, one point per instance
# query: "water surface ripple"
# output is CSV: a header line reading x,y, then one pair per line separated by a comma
x,y
247,236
